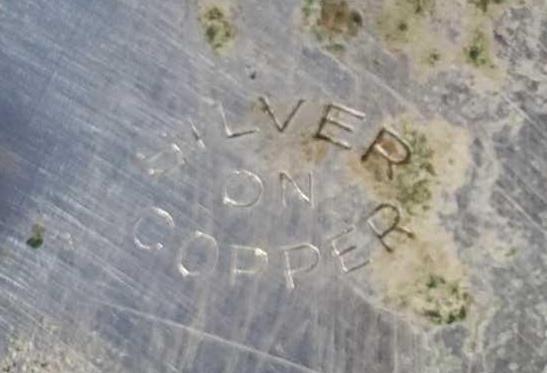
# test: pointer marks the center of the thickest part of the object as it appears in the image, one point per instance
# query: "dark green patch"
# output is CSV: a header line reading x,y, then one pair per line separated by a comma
x,y
421,6
336,47
355,22
36,240
433,58
445,301
309,7
463,313
477,51
434,280
218,30
214,14
511,252
451,318
414,180
485,4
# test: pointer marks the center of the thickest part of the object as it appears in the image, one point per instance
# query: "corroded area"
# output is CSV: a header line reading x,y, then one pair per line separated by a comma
x,y
438,34
333,22
423,187
258,186
218,29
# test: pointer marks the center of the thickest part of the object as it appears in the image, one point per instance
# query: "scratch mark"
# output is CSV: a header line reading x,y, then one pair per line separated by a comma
x,y
516,176
274,331
116,274
15,283
206,336
519,208
250,305
529,344
53,74
197,321
525,115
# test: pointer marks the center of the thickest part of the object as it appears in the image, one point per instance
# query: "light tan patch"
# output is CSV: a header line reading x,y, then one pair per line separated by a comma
x,y
295,148
404,275
440,36
424,276
443,170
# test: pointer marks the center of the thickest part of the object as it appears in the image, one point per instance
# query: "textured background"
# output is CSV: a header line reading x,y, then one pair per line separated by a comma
x,y
87,85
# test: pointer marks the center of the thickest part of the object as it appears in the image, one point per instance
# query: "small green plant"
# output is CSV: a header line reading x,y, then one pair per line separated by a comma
x,y
434,280
310,7
218,30
36,240
477,51
433,57
511,252
443,301
336,47
484,4
437,299
413,181
421,6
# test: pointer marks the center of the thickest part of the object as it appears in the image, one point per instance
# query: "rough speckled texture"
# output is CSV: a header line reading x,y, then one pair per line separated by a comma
x,y
114,135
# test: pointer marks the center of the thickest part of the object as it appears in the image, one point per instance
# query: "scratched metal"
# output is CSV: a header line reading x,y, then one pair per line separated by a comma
x,y
120,130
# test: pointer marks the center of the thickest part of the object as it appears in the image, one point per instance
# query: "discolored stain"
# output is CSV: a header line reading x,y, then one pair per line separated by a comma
x,y
412,183
217,28
313,150
36,240
466,38
421,6
477,52
333,22
485,5
422,276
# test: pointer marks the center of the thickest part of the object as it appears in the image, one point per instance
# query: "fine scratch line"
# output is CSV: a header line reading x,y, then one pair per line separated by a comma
x,y
207,336
517,206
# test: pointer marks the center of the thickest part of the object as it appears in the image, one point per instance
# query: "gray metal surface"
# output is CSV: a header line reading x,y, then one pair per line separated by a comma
x,y
120,135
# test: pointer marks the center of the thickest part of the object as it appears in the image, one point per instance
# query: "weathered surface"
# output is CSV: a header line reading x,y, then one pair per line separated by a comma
x,y
149,219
